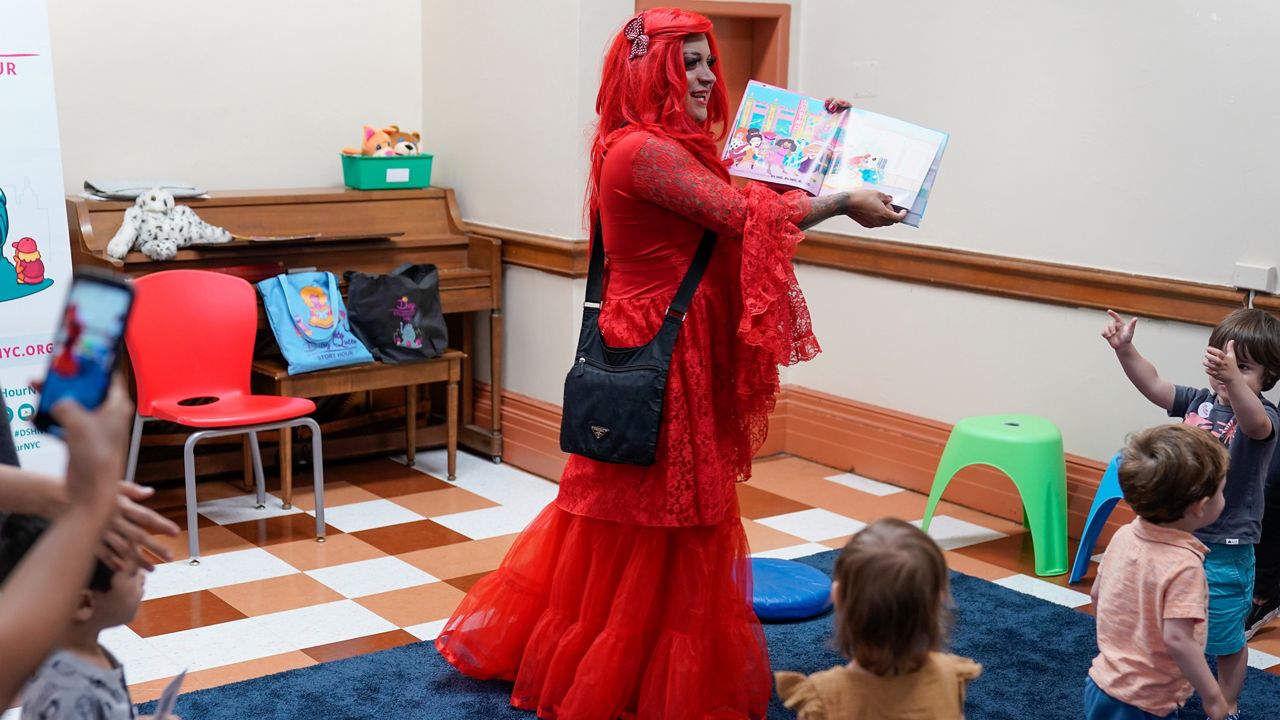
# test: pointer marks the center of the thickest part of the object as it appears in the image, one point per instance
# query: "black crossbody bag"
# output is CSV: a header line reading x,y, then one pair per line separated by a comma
x,y
613,396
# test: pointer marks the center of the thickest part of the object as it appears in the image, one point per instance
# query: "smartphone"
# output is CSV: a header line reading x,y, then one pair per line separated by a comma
x,y
86,344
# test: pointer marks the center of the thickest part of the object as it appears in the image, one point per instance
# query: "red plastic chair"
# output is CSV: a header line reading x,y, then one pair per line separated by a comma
x,y
190,340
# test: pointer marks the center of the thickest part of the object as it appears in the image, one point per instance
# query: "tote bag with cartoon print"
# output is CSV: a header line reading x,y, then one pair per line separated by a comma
x,y
310,323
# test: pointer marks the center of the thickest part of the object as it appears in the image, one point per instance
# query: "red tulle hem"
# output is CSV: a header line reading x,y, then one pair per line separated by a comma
x,y
594,619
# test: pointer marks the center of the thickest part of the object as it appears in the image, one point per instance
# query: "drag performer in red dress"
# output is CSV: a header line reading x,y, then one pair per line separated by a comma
x,y
629,596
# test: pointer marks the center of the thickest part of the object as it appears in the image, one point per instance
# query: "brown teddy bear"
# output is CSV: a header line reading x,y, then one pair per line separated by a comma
x,y
404,143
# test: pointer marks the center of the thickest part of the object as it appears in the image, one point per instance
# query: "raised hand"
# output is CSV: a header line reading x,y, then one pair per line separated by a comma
x,y
1221,365
870,208
131,532
1117,332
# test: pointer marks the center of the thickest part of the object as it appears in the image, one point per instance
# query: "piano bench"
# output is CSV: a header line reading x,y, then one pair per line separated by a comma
x,y
271,376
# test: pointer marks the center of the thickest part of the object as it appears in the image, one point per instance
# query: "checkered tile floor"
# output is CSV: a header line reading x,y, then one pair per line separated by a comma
x,y
404,546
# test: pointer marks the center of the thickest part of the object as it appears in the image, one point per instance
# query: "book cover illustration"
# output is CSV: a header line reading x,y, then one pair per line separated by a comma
x,y
790,139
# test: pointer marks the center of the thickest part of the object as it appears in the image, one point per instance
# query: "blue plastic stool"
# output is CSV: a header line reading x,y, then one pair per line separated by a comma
x,y
788,590
1104,501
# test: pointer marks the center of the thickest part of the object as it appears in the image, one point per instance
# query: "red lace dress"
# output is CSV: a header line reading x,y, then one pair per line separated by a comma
x,y
630,595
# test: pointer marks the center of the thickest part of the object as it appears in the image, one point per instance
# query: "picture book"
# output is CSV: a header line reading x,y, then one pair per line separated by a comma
x,y
790,139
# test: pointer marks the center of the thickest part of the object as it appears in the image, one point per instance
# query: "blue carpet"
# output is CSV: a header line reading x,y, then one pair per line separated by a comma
x,y
1034,654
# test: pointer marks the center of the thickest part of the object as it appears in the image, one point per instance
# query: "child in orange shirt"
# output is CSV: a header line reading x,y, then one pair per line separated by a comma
x,y
891,594
1151,595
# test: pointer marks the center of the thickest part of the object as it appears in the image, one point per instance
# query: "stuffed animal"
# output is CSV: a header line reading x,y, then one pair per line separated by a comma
x,y
158,228
404,143
376,142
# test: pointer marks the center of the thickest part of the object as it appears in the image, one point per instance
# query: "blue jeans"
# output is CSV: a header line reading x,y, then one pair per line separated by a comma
x,y
1100,706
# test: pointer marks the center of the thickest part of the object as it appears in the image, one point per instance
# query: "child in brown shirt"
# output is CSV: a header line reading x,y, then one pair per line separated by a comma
x,y
891,595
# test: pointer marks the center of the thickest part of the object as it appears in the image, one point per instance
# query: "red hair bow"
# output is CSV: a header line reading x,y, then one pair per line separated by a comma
x,y
634,31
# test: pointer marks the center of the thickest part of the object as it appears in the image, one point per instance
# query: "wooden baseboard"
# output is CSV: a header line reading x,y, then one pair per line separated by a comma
x,y
872,441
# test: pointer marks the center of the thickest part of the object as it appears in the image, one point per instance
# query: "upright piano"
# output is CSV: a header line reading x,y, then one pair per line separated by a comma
x,y
333,229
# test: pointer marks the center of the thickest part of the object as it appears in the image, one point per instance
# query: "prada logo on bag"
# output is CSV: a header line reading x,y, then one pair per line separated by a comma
x,y
599,431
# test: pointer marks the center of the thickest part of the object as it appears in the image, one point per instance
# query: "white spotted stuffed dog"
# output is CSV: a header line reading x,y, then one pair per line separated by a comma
x,y
158,228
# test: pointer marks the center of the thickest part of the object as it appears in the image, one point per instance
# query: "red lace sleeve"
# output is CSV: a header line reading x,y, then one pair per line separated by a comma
x,y
774,327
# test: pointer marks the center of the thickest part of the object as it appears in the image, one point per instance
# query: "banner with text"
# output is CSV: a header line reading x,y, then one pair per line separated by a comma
x,y
35,259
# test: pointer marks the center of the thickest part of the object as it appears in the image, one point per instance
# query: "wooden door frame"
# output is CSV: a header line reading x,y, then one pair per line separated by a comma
x,y
773,49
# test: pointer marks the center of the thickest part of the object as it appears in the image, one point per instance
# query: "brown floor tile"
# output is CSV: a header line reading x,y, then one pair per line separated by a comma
x,y
787,467
974,567
182,612
1267,640
214,539
467,582
335,494
224,675
178,514
389,479
435,503
336,550
451,561
281,529
174,493
416,605
407,537
762,537
360,646
999,524
836,543
755,503
288,592
1016,553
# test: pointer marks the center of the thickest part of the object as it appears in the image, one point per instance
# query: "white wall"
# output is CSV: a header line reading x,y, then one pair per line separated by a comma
x,y
233,94
1134,135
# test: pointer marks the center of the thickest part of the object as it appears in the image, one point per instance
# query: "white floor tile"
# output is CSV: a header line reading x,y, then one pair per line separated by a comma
x,y
814,524
323,624
368,515
1036,587
12,714
141,660
792,552
951,533
503,484
222,644
243,508
179,576
427,631
368,577
866,485
491,522
1261,660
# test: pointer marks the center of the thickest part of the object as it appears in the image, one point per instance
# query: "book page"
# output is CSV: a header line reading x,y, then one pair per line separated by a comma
x,y
781,137
881,153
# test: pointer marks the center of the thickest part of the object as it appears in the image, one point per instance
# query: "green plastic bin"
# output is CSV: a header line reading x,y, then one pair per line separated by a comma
x,y
368,172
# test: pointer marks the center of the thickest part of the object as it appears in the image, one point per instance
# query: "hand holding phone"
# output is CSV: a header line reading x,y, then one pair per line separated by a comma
x,y
86,344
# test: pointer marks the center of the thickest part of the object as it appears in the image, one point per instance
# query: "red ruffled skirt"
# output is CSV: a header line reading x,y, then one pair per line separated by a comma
x,y
596,620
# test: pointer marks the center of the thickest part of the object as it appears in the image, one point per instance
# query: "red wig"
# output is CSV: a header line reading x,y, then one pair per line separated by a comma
x,y
649,92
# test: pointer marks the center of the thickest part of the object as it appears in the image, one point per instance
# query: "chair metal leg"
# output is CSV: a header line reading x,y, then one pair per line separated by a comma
x,y
193,523
135,444
259,478
317,474
451,411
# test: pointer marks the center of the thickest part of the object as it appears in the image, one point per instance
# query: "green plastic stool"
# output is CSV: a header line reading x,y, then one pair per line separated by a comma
x,y
1029,450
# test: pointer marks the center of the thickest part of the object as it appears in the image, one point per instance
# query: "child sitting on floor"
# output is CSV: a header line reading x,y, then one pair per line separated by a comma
x,y
1242,360
81,679
891,593
1151,596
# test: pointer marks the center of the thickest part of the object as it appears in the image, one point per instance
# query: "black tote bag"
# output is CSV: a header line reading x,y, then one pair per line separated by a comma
x,y
397,316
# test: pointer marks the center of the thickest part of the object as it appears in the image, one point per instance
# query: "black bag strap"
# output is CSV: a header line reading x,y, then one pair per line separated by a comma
x,y
684,295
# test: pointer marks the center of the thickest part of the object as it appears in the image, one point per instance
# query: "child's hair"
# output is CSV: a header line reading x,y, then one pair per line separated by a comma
x,y
19,533
1165,469
1257,336
891,598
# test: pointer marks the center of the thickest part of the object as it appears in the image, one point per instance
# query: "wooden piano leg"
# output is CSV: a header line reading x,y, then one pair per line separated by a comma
x,y
451,413
495,378
286,466
410,422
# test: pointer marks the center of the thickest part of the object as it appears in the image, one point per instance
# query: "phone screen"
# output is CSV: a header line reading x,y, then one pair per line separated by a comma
x,y
85,345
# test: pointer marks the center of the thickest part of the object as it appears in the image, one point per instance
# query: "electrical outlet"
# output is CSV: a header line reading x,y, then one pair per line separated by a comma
x,y
1248,276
